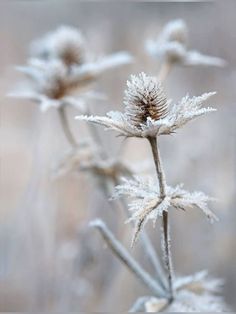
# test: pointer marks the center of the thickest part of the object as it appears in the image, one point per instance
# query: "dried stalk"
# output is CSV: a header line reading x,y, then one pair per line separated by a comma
x,y
65,127
118,249
162,188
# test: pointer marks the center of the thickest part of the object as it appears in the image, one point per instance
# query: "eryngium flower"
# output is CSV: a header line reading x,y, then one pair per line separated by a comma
x,y
171,45
186,302
195,293
147,204
148,112
66,43
50,85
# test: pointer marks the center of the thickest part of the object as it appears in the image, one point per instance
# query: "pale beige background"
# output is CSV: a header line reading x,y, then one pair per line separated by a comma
x,y
50,261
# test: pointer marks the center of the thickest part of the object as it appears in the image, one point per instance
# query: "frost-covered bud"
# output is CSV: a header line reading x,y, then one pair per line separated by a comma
x,y
144,98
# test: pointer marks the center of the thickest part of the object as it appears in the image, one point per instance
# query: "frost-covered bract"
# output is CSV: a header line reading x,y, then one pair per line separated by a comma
x,y
148,112
147,203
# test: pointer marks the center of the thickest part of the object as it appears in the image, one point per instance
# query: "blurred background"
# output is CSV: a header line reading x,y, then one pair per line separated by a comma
x,y
50,259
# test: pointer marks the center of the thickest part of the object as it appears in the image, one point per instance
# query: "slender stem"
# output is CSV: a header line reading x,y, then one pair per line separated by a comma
x,y
66,127
158,165
164,71
121,252
146,242
162,187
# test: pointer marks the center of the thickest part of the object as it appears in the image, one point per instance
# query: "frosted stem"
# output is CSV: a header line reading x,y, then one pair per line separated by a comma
x,y
66,127
121,252
166,238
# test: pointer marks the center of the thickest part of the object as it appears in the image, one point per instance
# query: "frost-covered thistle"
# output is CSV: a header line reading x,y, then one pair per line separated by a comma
x,y
171,46
49,85
60,66
66,43
148,204
148,112
194,293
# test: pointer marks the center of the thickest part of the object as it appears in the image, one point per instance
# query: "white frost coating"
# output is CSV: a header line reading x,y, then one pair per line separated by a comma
x,y
147,111
147,204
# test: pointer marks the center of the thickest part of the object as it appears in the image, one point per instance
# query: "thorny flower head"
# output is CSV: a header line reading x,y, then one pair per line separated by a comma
x,y
148,112
147,204
171,45
60,65
66,43
194,293
50,85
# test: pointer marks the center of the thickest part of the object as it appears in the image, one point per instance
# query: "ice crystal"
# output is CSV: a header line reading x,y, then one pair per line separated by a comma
x,y
171,45
147,204
147,111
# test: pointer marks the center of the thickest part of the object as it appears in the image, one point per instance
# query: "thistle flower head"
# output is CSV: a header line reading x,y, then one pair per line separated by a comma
x,y
61,64
176,31
144,98
148,113
65,43
171,46
49,85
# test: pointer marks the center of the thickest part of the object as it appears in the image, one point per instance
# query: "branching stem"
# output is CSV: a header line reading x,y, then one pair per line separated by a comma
x,y
121,252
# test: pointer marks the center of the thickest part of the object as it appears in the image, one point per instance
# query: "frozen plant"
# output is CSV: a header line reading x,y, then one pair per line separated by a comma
x,y
149,114
171,47
59,70
148,205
